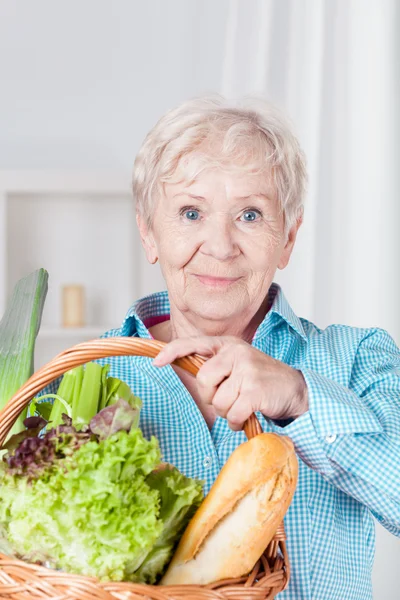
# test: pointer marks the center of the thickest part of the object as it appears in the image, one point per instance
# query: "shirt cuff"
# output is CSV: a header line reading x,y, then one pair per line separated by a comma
x,y
334,412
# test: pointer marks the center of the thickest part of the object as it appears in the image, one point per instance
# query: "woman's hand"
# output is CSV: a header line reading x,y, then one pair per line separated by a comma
x,y
238,379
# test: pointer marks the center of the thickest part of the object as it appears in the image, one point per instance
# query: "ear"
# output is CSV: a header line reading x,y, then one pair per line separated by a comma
x,y
147,239
291,239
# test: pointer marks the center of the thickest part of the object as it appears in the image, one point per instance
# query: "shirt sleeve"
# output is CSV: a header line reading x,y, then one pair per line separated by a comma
x,y
351,436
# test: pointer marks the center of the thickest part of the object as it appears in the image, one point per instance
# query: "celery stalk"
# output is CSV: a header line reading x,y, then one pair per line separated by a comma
x,y
78,373
18,331
87,390
90,393
82,388
66,392
104,392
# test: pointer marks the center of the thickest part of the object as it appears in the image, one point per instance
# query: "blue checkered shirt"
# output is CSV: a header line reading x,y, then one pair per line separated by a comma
x,y
348,443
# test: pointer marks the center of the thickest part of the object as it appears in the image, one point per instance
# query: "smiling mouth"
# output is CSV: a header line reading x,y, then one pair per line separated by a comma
x,y
216,281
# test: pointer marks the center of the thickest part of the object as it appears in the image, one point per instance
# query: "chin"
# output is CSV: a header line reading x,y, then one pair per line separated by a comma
x,y
214,308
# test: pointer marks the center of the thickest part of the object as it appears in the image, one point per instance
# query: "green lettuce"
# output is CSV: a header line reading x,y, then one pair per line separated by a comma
x,y
180,497
95,501
92,513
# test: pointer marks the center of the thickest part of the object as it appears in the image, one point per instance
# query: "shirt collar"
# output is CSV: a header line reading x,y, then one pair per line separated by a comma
x,y
157,304
283,311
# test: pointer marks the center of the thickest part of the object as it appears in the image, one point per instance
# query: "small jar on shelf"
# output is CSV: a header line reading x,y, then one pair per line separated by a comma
x,y
73,306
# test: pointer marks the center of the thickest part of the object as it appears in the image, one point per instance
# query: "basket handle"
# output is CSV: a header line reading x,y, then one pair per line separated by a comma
x,y
92,350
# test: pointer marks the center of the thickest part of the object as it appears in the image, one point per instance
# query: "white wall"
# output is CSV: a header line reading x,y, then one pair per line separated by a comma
x,y
82,82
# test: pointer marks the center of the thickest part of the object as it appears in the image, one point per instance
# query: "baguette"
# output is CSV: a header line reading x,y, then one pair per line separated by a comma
x,y
239,517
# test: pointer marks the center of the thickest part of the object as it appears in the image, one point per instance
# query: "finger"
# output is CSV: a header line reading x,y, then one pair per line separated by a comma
x,y
213,373
226,396
204,345
239,413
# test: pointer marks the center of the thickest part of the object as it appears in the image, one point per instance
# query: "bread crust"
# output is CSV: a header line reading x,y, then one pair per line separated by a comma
x,y
240,515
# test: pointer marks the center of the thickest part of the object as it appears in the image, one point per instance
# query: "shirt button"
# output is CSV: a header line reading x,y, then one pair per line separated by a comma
x,y
207,462
331,438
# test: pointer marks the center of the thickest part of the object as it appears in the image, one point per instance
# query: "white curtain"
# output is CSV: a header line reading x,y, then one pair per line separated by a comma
x,y
332,66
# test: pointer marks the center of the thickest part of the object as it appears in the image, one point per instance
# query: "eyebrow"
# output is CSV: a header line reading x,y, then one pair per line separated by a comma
x,y
201,198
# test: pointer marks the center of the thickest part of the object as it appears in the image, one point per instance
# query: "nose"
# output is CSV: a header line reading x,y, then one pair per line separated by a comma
x,y
219,239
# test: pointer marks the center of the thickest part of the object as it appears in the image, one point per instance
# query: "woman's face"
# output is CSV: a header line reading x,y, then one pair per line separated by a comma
x,y
219,241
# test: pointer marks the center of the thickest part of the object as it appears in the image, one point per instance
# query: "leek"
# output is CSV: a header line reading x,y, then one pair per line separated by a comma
x,y
18,331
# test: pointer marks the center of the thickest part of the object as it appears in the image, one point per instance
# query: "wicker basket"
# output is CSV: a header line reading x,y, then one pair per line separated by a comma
x,y
23,581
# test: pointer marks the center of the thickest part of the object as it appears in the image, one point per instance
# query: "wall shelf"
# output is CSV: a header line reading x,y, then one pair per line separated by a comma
x,y
74,332
80,226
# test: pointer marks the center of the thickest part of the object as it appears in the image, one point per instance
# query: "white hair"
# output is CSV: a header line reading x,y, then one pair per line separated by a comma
x,y
252,136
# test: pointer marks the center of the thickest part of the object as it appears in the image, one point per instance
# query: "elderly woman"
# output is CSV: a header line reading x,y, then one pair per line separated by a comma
x,y
219,191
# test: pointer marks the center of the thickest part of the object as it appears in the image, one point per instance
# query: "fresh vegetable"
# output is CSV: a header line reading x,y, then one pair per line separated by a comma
x,y
81,489
83,392
95,501
178,505
18,330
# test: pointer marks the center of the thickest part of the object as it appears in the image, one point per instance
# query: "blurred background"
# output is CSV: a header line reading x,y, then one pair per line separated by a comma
x,y
81,83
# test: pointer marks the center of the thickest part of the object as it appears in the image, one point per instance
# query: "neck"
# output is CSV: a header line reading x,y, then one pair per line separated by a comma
x,y
187,325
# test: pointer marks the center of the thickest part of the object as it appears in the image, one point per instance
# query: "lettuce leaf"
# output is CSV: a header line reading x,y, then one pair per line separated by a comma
x,y
117,389
180,498
114,418
94,499
92,514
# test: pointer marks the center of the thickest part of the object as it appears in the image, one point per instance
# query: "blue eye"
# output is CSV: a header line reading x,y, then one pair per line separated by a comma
x,y
191,214
251,215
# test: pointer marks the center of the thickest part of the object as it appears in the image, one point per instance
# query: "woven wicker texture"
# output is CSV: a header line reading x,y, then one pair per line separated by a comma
x,y
23,581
